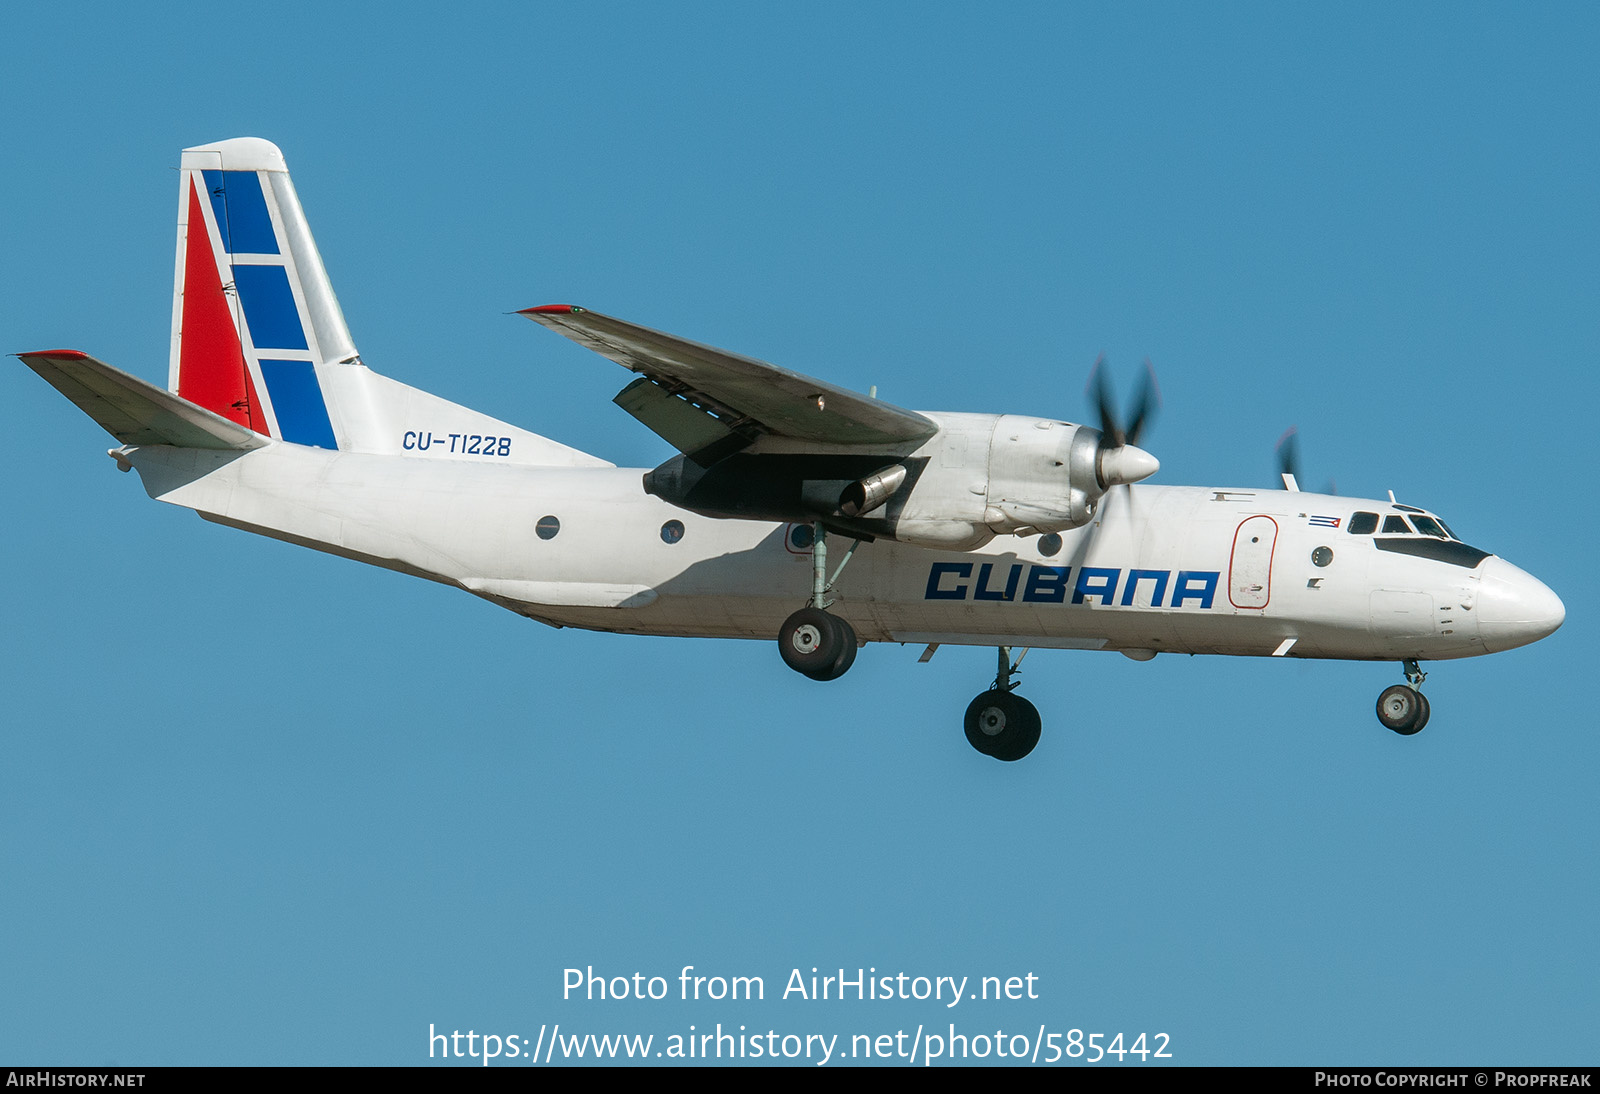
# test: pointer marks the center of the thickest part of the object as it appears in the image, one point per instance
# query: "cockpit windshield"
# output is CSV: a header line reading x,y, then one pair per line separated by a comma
x,y
1420,523
1424,536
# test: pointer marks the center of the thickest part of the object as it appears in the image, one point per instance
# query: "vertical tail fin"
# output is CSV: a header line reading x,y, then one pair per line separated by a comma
x,y
254,317
258,337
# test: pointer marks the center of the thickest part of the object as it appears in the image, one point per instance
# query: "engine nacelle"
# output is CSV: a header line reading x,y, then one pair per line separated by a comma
x,y
1042,476
980,476
984,475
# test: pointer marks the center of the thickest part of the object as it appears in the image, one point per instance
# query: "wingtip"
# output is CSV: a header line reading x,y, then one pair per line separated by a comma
x,y
551,309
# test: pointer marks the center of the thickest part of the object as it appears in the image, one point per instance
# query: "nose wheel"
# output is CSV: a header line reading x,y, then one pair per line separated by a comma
x,y
1402,707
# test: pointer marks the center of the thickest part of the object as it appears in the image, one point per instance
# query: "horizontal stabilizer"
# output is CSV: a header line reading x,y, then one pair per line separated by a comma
x,y
136,412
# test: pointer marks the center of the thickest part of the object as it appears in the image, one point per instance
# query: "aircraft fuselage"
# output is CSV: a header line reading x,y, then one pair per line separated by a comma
x,y
1159,569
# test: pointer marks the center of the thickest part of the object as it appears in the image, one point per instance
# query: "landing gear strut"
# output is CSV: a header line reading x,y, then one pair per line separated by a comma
x,y
1403,708
813,641
1000,723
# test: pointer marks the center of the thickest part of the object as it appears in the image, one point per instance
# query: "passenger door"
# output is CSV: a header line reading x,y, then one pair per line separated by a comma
x,y
1250,568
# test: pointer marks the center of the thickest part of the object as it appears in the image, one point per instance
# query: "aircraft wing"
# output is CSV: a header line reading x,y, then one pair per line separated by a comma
x,y
738,393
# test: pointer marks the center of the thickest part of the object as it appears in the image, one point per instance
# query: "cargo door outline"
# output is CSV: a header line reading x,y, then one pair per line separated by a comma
x,y
1250,563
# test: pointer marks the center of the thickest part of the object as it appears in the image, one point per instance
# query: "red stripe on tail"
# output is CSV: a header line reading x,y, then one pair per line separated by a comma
x,y
211,368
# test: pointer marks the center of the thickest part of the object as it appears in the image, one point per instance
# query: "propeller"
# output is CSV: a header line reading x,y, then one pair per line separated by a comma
x,y
1288,450
1118,460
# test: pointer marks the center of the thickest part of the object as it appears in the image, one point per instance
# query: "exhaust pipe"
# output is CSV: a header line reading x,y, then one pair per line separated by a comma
x,y
864,495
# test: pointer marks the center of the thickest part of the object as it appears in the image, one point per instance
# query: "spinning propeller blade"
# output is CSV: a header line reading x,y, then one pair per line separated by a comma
x,y
1119,461
1288,450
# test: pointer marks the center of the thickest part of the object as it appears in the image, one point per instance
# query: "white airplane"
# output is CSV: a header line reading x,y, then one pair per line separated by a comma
x,y
974,529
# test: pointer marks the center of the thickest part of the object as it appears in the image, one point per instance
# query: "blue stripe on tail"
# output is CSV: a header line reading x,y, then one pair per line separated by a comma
x,y
297,401
269,308
241,212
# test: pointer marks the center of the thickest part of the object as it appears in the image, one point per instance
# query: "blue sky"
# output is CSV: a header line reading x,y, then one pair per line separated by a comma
x,y
268,806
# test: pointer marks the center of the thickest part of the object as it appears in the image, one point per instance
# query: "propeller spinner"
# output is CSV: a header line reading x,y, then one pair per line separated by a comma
x,y
1118,461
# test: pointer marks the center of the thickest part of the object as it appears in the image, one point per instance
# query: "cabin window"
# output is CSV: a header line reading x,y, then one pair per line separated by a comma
x,y
547,528
672,531
1322,556
1363,524
1050,545
1393,525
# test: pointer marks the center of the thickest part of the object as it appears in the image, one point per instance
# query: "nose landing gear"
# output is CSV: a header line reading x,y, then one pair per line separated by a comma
x,y
1402,707
1000,723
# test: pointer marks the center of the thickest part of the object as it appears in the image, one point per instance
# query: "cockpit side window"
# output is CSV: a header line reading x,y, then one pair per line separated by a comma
x,y
1448,531
1395,525
1428,526
1363,524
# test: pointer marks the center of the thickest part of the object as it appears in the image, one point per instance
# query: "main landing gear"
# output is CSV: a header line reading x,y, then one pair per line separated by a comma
x,y
1403,708
1001,723
817,644
813,641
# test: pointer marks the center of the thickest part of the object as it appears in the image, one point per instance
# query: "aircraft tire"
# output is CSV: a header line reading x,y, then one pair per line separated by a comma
x,y
1402,709
847,654
1002,724
814,643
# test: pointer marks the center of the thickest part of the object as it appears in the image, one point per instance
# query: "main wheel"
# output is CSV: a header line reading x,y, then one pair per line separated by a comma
x,y
817,644
847,653
1002,724
1402,709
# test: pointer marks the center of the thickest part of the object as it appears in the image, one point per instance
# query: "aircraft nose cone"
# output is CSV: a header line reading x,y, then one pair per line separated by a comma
x,y
1126,465
1514,607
